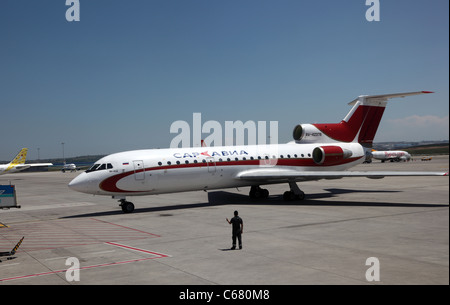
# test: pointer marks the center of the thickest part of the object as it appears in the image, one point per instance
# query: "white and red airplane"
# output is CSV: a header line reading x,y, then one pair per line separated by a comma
x,y
320,151
391,155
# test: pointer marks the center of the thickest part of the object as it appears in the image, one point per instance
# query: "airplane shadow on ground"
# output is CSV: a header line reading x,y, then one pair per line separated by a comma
x,y
220,198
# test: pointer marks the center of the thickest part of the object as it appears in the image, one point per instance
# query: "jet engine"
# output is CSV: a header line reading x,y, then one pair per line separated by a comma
x,y
330,155
298,133
307,133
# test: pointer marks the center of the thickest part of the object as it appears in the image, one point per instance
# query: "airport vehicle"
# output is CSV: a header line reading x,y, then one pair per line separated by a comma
x,y
18,163
426,158
9,254
391,155
319,151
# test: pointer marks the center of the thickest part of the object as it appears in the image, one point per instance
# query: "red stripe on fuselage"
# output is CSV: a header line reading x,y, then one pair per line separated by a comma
x,y
110,184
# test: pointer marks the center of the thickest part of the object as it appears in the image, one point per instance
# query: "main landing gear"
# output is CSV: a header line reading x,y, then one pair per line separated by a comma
x,y
294,194
256,192
127,207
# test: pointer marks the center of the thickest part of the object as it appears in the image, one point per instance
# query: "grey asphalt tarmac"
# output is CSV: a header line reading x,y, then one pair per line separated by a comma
x,y
184,238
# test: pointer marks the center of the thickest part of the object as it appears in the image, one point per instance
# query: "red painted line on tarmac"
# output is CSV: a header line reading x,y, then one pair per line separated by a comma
x,y
137,249
126,227
157,255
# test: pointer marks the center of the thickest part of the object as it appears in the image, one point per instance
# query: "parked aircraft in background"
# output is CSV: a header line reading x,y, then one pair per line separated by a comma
x,y
391,155
319,151
18,163
69,167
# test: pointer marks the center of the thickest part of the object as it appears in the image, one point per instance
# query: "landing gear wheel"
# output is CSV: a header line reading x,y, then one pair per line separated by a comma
x,y
291,196
127,207
300,196
258,193
288,196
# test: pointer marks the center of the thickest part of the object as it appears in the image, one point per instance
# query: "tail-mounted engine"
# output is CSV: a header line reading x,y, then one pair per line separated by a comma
x,y
308,133
330,155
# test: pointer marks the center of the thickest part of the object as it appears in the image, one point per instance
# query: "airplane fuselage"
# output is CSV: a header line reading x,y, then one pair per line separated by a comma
x,y
395,155
158,171
319,151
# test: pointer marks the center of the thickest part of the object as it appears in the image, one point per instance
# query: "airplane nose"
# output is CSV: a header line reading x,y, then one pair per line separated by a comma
x,y
80,183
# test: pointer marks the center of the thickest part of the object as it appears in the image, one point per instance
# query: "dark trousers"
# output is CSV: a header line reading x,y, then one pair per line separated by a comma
x,y
239,237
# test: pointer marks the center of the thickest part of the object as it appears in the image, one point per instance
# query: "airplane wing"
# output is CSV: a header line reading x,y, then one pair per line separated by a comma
x,y
25,166
281,175
37,164
21,167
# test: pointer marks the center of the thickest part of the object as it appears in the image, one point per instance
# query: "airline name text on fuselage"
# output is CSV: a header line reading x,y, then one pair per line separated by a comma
x,y
222,153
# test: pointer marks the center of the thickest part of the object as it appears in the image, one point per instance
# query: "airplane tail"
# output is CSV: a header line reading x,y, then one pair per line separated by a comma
x,y
20,158
361,123
13,251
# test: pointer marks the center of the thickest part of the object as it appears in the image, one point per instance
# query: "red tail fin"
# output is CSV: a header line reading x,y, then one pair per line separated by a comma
x,y
361,123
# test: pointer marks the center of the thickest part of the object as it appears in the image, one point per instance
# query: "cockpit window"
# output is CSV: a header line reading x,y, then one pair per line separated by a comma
x,y
98,167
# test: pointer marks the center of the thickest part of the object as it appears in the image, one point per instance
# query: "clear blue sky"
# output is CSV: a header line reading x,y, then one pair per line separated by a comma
x,y
118,78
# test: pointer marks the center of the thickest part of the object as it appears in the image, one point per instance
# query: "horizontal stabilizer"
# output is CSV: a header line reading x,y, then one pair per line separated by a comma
x,y
385,97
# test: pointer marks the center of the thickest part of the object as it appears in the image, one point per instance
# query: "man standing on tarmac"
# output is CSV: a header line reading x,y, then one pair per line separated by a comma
x,y
238,229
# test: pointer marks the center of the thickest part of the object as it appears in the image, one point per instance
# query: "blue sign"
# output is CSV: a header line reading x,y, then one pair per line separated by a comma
x,y
7,196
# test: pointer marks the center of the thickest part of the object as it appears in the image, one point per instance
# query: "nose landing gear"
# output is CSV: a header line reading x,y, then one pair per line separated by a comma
x,y
127,207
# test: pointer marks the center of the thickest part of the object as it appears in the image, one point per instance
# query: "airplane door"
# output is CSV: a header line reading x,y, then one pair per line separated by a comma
x,y
211,165
139,173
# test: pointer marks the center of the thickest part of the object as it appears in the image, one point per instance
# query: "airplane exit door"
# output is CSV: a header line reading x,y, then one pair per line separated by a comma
x,y
139,173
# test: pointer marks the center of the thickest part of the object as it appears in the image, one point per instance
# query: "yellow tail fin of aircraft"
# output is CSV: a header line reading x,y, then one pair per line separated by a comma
x,y
18,163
